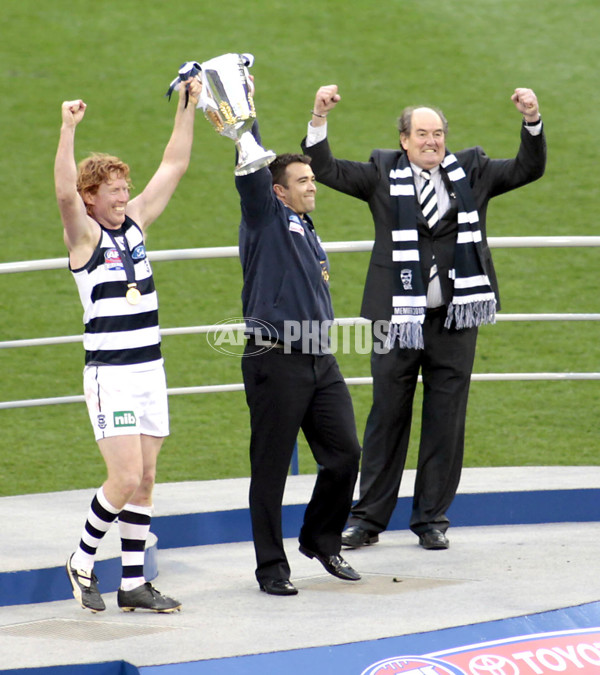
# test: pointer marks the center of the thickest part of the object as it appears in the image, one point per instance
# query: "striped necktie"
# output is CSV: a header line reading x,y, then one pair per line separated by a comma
x,y
428,199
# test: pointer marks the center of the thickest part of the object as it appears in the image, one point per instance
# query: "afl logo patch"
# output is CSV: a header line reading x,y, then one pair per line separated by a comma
x,y
112,259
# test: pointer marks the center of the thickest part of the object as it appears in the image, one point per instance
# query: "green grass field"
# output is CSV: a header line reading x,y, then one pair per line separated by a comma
x,y
467,58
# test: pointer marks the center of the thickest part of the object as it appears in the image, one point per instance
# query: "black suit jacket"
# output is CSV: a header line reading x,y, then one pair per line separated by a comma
x,y
369,181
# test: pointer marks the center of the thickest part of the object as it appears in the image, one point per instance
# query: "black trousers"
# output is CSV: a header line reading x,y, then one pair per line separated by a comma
x,y
286,393
446,364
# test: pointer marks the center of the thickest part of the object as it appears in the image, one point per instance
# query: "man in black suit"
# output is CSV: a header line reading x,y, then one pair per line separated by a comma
x,y
430,284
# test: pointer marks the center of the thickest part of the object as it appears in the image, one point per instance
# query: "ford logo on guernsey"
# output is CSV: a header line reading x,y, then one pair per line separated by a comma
x,y
139,252
412,665
229,336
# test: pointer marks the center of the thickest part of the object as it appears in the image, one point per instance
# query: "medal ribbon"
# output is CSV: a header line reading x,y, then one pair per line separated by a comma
x,y
126,258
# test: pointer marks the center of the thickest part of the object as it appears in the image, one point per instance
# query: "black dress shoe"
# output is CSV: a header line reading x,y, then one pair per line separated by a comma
x,y
434,540
278,587
334,564
355,537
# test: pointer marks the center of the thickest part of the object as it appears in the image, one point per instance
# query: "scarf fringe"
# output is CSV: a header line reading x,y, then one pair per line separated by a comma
x,y
408,336
471,314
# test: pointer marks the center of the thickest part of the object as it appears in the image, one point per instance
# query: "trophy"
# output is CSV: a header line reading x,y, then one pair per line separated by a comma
x,y
228,104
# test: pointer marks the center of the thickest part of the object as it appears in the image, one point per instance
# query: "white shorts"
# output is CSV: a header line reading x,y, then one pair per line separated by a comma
x,y
127,400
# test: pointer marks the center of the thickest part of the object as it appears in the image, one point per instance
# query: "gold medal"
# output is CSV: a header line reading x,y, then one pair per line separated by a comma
x,y
133,296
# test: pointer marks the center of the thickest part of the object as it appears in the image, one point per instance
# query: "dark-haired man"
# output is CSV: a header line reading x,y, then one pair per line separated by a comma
x,y
292,381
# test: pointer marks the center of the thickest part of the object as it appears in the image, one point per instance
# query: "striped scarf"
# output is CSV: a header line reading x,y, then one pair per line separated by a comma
x,y
473,302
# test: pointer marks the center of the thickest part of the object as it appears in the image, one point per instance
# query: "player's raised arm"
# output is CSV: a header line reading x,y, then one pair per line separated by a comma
x,y
147,206
78,231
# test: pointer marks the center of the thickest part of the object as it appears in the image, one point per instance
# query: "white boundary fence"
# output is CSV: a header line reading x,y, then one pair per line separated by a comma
x,y
331,247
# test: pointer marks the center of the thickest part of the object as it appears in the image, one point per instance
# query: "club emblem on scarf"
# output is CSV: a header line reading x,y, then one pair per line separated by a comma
x,y
406,279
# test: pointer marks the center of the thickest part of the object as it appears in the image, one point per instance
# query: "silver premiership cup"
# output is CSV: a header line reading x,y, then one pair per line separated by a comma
x,y
227,101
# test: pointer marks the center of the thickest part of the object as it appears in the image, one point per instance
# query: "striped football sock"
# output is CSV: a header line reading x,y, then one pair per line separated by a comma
x,y
134,526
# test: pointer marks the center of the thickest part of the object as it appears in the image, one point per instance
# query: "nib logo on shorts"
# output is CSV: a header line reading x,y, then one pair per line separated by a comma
x,y
124,418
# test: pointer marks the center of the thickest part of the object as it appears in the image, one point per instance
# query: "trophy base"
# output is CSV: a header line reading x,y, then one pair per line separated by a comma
x,y
251,155
250,165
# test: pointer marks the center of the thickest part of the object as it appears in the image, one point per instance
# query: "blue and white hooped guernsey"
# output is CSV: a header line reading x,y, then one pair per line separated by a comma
x,y
117,332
